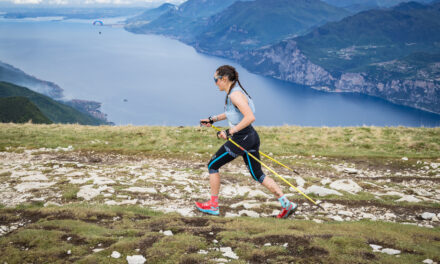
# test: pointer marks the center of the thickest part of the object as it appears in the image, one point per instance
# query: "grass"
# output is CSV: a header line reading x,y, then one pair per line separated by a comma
x,y
133,230
391,142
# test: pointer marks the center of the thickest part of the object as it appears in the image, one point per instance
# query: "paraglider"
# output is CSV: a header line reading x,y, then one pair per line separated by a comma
x,y
98,22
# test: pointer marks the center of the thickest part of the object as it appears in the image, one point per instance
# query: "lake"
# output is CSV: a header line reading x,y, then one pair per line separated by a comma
x,y
154,80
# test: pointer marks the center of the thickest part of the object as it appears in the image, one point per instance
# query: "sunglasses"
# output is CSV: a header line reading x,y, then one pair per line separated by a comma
x,y
218,78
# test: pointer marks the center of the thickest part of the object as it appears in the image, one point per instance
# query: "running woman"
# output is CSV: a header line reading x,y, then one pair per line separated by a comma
x,y
239,111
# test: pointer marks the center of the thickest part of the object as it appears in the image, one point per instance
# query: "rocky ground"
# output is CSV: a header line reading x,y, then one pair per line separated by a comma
x,y
398,191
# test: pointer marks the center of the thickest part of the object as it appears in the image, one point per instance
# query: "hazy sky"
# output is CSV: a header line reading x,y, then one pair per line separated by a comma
x,y
88,2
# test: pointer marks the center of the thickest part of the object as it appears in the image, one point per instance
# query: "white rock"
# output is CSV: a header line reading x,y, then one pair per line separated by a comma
x,y
248,213
221,260
98,249
337,218
345,213
116,254
405,158
69,238
285,245
376,248
231,215
168,233
326,181
215,241
257,193
428,261
390,216
350,170
69,252
88,192
203,252
408,198
427,215
346,185
51,203
267,244
435,219
36,177
299,181
227,252
318,221
27,186
390,251
321,191
103,181
141,190
136,259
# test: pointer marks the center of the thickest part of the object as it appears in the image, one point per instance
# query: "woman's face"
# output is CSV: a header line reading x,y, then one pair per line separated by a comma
x,y
220,81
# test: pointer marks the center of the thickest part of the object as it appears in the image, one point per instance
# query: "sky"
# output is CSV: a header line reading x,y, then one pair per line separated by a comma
x,y
86,2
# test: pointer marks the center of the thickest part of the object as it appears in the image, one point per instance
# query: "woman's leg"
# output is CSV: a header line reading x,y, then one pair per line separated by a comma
x,y
272,186
214,181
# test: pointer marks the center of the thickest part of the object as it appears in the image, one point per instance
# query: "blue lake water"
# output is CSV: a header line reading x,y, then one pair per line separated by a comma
x,y
166,82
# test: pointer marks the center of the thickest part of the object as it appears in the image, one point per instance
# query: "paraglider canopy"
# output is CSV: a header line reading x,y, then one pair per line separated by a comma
x,y
98,22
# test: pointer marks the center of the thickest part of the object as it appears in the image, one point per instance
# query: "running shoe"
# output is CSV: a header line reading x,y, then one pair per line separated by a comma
x,y
208,208
287,211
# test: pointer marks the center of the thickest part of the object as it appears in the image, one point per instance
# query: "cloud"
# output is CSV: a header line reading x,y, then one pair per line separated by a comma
x,y
89,2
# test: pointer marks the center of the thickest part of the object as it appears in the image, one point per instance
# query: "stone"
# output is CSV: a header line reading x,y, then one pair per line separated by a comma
x,y
346,185
428,261
427,216
69,252
203,252
408,198
249,213
116,254
227,252
136,259
376,248
168,233
246,204
435,219
318,221
321,191
231,215
345,213
103,181
405,158
97,249
257,193
27,186
337,218
88,192
390,251
36,177
267,244
389,216
299,181
350,170
141,190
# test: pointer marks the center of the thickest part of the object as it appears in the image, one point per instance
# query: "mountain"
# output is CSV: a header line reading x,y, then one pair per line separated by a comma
x,y
356,6
10,74
246,25
183,22
151,14
392,54
55,111
20,110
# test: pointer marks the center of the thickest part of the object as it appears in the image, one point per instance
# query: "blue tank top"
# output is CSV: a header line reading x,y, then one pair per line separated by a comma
x,y
233,114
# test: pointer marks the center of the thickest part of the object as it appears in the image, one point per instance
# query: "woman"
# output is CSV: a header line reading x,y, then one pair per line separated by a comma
x,y
239,110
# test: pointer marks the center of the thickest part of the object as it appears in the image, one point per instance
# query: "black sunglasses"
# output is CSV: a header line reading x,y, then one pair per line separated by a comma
x,y
216,79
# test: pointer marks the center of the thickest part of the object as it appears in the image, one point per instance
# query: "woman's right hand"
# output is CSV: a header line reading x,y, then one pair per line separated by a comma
x,y
205,122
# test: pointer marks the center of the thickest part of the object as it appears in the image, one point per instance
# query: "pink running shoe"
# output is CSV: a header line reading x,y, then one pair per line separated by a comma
x,y
208,207
287,211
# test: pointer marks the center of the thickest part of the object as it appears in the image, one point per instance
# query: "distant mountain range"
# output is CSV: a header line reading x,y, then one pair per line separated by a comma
x,y
392,53
51,109
356,6
10,74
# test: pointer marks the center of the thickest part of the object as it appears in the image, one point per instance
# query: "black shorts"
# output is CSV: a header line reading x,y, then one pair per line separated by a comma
x,y
248,139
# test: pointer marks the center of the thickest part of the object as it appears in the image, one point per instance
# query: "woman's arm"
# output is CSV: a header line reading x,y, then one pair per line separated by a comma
x,y
241,101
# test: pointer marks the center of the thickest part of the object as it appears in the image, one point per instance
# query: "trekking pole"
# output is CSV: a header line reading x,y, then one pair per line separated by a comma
x,y
267,167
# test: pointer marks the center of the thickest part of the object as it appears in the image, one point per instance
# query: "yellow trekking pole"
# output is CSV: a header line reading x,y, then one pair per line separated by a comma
x,y
279,176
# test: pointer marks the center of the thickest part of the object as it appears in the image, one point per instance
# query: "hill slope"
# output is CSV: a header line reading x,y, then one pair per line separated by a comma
x,y
20,110
55,111
392,54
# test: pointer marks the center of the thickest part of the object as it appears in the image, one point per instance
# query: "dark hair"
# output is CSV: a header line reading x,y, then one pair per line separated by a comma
x,y
227,70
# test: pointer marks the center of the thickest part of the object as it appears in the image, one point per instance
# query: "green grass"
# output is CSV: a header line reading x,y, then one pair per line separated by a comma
x,y
133,230
185,142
